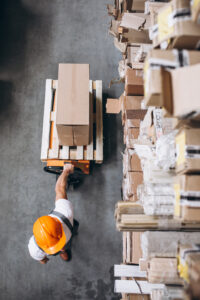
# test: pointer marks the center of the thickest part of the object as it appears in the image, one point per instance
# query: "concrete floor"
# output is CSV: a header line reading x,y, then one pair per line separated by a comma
x,y
35,37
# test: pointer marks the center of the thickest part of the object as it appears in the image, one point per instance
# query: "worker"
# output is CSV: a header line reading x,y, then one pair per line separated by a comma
x,y
52,234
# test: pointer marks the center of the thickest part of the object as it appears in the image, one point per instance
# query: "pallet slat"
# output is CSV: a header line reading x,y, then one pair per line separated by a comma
x,y
128,271
46,116
64,152
79,152
53,153
99,122
90,147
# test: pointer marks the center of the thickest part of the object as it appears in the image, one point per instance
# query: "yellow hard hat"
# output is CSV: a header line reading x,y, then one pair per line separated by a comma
x,y
49,234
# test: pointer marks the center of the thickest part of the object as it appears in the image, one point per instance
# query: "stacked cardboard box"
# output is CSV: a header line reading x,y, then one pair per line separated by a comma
x,y
189,268
160,113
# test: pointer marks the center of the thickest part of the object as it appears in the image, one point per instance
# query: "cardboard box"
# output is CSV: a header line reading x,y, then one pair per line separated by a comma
x,y
157,80
185,91
130,184
134,179
114,28
153,8
137,53
138,297
163,270
131,162
73,110
129,105
134,5
190,214
187,195
195,7
132,247
135,28
188,149
134,82
175,27
131,132
131,108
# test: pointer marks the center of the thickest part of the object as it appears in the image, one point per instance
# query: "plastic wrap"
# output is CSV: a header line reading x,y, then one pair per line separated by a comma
x,y
163,270
168,293
131,162
122,69
157,199
166,151
165,243
151,171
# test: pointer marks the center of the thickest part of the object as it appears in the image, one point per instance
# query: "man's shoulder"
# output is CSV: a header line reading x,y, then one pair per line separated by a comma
x,y
34,250
64,206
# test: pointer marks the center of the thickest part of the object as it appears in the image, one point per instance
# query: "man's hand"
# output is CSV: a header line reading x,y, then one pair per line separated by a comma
x,y
44,260
68,168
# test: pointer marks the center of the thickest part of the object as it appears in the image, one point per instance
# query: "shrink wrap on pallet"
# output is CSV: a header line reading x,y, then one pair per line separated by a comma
x,y
165,243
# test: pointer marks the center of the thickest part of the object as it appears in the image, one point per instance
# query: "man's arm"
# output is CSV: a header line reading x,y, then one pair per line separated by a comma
x,y
61,183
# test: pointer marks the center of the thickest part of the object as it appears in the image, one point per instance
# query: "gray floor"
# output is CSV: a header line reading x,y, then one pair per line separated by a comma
x,y
35,37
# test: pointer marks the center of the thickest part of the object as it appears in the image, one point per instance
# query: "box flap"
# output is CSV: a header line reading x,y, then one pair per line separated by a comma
x,y
137,21
185,83
113,106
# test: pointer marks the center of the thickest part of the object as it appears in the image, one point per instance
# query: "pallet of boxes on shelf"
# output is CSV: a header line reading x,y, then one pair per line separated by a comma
x,y
159,213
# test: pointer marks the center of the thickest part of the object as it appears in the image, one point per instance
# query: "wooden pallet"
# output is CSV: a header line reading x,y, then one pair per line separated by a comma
x,y
129,217
50,149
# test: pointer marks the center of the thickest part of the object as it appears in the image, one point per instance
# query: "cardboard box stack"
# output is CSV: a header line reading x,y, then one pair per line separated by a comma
x,y
73,109
160,207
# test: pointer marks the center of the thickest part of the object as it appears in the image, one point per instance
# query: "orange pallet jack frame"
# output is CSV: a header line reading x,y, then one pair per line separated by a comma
x,y
83,165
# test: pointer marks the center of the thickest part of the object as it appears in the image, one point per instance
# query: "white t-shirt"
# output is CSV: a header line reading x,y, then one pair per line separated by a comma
x,y
64,207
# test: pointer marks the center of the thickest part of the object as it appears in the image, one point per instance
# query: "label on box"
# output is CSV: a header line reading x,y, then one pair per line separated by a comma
x,y
195,3
190,198
180,15
180,149
158,117
165,28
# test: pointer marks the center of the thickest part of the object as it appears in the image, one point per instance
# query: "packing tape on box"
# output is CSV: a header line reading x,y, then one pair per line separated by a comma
x,y
192,151
153,32
180,148
190,198
167,18
185,198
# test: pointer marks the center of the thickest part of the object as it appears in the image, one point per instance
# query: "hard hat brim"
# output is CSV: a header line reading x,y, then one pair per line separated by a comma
x,y
57,247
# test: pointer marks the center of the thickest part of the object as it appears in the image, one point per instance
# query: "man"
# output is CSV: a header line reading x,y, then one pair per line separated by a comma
x,y
52,234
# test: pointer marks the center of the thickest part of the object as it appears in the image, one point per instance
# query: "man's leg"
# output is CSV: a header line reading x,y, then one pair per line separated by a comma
x,y
66,253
